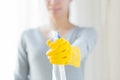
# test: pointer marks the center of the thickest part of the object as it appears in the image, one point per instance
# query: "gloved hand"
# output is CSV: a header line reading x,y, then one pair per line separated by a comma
x,y
62,53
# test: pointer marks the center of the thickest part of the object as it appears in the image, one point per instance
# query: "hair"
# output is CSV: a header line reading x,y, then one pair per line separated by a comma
x,y
69,11
68,16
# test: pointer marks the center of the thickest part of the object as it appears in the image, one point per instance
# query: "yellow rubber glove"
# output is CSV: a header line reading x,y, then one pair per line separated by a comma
x,y
61,52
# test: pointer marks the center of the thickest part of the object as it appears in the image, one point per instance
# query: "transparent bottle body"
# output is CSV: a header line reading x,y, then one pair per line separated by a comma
x,y
58,72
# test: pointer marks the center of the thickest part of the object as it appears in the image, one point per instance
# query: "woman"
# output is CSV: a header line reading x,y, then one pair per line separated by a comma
x,y
73,48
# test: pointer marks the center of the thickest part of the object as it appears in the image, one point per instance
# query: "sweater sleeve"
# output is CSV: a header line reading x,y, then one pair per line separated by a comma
x,y
22,68
86,41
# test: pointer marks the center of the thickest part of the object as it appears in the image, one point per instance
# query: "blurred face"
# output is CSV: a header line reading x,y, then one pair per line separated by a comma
x,y
57,8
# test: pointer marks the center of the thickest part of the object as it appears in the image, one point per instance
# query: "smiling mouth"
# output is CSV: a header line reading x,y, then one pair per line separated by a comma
x,y
55,9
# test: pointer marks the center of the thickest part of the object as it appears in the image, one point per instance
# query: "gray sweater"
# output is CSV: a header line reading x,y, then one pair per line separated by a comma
x,y
32,62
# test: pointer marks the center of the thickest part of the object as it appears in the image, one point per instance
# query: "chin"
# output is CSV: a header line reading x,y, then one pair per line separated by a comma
x,y
56,15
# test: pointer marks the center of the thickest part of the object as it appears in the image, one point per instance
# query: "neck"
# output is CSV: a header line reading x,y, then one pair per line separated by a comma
x,y
61,24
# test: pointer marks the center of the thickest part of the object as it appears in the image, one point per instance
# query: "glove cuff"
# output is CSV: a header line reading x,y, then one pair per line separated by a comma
x,y
75,56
